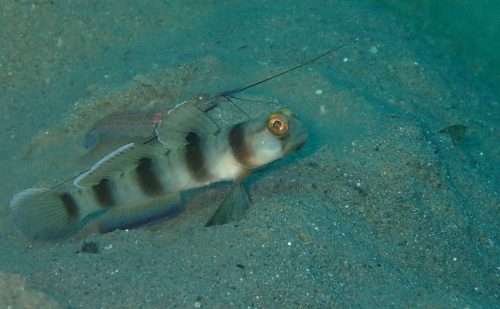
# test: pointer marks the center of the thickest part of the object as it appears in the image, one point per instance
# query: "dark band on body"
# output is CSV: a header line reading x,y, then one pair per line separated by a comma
x,y
147,178
104,193
238,145
69,204
195,158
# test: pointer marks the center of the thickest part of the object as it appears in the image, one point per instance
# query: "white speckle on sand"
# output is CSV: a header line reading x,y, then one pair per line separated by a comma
x,y
197,304
373,50
108,247
289,243
345,59
322,109
319,92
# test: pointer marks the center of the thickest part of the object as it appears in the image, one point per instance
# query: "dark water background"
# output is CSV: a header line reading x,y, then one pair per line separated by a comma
x,y
385,206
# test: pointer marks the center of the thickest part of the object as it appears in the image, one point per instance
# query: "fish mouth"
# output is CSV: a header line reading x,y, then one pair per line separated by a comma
x,y
302,140
300,145
298,139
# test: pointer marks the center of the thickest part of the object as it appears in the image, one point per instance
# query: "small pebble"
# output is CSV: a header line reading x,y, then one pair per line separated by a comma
x,y
322,109
90,247
197,303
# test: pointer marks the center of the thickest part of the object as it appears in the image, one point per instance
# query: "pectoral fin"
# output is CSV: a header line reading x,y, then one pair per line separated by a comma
x,y
233,207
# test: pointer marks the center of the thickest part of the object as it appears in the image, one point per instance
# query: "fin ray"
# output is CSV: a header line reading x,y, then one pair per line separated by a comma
x,y
233,207
120,160
42,213
186,117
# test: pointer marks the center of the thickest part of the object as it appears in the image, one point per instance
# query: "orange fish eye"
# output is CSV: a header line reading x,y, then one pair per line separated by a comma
x,y
278,124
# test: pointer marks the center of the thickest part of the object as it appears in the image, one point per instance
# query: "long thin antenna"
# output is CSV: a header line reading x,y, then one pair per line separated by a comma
x,y
328,52
228,94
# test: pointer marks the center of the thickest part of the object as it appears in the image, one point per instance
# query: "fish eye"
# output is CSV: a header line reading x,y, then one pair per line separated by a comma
x,y
278,124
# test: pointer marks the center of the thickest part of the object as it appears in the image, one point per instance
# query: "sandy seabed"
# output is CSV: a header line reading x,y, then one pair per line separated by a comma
x,y
384,207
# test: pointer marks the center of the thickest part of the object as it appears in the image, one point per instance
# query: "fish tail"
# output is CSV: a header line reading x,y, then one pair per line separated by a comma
x,y
45,213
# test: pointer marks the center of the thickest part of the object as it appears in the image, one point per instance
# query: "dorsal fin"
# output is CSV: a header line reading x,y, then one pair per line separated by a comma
x,y
185,118
120,160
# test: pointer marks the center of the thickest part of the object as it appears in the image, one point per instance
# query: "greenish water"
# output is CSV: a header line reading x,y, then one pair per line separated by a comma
x,y
470,30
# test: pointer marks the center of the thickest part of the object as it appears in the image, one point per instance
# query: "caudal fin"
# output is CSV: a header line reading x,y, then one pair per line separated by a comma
x,y
44,213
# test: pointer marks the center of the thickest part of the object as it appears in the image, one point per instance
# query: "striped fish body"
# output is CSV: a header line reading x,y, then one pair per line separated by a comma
x,y
140,183
137,183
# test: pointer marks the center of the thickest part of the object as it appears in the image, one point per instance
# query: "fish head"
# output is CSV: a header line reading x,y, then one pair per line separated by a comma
x,y
278,135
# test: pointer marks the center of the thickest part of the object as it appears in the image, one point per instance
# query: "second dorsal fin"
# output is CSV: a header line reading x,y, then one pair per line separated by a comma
x,y
120,160
185,118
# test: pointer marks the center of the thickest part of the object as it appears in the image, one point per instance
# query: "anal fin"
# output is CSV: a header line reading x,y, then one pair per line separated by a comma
x,y
136,215
233,207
